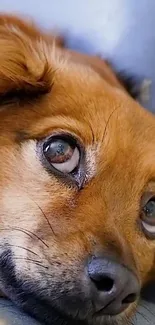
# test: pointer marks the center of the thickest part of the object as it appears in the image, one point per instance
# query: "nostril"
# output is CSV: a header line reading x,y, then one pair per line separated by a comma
x,y
129,299
104,284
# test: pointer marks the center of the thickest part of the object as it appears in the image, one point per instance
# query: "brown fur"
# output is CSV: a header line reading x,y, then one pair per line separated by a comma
x,y
45,88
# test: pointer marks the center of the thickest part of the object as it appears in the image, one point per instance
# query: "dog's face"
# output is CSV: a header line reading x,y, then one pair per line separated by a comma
x,y
77,185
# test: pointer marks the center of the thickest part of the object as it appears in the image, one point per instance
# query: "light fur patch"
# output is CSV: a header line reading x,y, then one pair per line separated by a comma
x,y
145,90
14,29
91,155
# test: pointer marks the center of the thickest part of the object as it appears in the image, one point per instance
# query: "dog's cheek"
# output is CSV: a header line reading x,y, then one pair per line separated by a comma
x,y
33,207
27,193
144,256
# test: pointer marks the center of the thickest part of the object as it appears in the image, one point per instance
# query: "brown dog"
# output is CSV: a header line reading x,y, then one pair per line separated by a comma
x,y
77,183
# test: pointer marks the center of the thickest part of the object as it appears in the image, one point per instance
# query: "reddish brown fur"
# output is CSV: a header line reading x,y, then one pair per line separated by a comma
x,y
66,91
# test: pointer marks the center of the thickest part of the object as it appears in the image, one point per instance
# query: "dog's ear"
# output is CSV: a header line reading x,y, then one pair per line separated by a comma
x,y
24,64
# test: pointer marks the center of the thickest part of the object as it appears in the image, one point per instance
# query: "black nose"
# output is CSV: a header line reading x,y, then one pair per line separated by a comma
x,y
113,286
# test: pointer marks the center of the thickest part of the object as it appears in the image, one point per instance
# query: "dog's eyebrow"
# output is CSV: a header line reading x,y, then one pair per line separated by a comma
x,y
21,96
21,136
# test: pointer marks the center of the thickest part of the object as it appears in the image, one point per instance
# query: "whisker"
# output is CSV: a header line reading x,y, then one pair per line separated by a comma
x,y
46,274
25,258
107,123
43,213
11,245
30,260
27,232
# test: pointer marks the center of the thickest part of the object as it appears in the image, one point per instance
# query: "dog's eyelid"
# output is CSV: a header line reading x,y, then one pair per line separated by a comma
x,y
146,197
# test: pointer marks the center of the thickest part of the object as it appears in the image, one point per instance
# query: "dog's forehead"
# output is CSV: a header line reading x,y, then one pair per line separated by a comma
x,y
82,102
105,116
79,94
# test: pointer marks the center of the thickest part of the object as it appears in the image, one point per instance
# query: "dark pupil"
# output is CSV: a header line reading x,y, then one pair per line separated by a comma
x,y
149,209
58,151
58,148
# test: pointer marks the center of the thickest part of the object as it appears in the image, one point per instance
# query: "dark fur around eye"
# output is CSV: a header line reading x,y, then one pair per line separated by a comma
x,y
22,96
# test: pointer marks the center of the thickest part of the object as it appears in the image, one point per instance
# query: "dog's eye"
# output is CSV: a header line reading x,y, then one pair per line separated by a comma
x,y
62,154
148,217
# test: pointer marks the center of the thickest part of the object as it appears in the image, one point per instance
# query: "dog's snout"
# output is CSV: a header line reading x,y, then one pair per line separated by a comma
x,y
113,286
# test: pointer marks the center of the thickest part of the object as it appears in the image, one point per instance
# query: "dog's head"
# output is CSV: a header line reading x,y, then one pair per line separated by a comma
x,y
77,183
